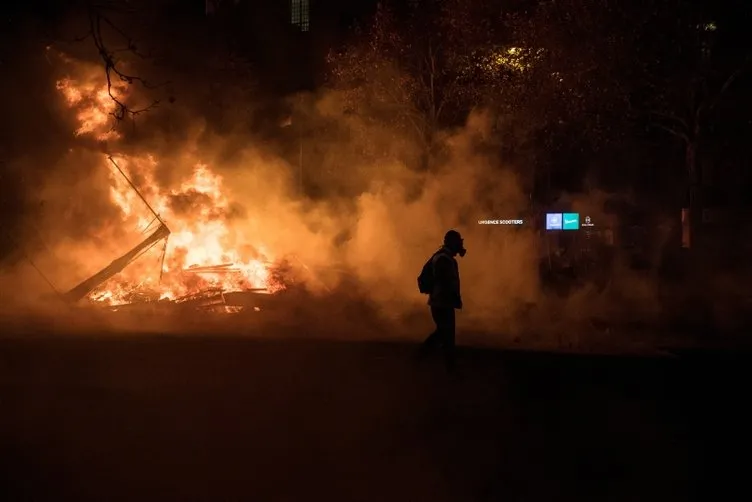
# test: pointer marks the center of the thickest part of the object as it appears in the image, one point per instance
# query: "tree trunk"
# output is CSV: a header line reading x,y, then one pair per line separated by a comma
x,y
428,153
694,205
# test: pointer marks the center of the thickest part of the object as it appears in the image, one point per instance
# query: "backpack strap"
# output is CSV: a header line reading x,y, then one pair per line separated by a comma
x,y
435,258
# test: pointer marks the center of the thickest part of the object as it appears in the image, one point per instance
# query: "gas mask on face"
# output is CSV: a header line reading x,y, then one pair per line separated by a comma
x,y
461,251
455,243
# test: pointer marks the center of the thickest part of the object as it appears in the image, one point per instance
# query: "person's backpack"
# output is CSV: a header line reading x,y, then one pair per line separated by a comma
x,y
426,278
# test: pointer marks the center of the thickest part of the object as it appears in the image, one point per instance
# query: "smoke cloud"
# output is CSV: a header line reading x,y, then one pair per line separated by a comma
x,y
361,239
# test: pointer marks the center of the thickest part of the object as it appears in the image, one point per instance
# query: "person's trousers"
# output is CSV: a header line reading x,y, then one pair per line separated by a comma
x,y
444,334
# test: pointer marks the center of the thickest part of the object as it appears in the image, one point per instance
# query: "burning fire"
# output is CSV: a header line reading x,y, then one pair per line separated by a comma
x,y
94,105
203,251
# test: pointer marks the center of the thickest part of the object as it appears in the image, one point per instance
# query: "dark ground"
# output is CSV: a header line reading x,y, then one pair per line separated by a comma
x,y
160,418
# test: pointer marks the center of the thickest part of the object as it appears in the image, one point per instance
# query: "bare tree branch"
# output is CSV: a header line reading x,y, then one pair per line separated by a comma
x,y
97,19
730,81
688,130
680,125
683,136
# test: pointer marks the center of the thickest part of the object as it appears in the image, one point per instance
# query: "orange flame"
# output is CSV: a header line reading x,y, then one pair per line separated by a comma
x,y
94,106
202,251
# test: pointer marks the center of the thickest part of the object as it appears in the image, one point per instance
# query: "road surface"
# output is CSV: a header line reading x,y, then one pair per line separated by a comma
x,y
207,418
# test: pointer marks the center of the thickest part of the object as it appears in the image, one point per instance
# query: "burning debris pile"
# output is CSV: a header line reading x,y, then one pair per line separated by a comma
x,y
199,258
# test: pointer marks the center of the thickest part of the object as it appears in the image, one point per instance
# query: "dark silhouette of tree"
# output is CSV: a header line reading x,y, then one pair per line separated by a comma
x,y
421,70
568,107
605,70
686,80
151,45
101,32
582,62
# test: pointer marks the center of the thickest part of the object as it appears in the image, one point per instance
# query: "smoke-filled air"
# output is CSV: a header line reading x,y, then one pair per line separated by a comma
x,y
234,213
225,213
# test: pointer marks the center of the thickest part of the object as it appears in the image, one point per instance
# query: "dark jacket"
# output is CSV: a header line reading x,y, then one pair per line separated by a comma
x,y
446,291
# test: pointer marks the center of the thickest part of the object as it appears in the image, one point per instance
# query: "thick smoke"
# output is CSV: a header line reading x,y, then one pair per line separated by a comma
x,y
363,238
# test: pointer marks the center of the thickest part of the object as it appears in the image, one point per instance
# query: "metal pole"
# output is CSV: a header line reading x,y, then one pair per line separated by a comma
x,y
112,160
22,248
161,262
39,271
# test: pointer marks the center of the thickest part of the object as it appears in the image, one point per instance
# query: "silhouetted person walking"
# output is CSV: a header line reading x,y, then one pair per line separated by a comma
x,y
440,280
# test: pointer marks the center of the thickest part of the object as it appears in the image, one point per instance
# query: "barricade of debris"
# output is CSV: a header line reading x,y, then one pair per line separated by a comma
x,y
211,298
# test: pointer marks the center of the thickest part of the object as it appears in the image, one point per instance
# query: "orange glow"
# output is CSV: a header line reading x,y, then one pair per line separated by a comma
x,y
203,251
94,106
